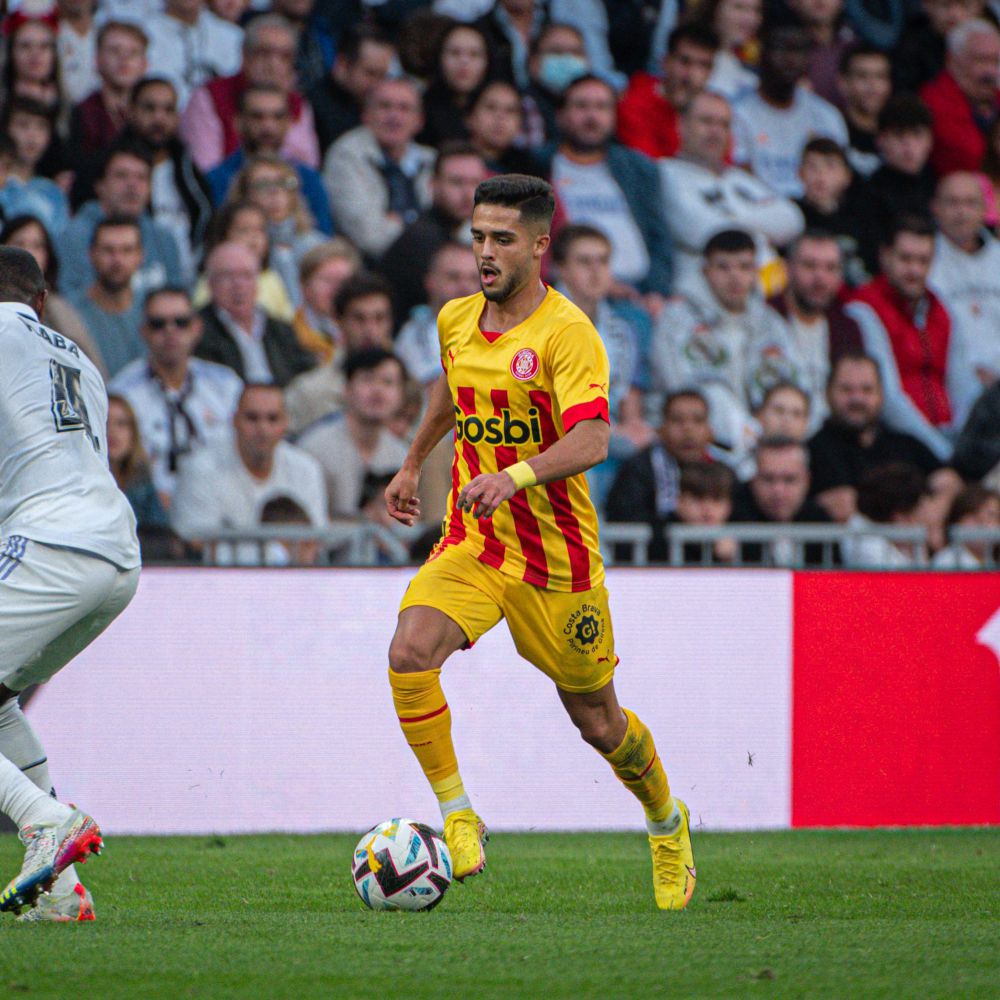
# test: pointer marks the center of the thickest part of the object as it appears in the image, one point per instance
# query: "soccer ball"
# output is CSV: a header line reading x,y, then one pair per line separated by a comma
x,y
401,865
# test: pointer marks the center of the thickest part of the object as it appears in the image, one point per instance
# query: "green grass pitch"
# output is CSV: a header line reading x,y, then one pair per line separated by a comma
x,y
892,914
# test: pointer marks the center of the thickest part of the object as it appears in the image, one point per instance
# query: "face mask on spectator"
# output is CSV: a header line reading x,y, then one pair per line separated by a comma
x,y
559,69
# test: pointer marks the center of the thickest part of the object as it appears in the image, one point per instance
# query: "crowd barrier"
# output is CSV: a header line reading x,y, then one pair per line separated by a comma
x,y
238,700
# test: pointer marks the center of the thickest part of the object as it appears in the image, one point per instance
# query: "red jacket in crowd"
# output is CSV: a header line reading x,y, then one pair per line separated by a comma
x,y
920,351
647,121
959,143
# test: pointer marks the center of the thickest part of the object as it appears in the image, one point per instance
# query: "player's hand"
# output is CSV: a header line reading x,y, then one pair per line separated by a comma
x,y
401,500
485,493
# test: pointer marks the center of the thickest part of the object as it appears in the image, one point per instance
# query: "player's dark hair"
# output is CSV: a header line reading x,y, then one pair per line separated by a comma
x,y
532,197
360,286
15,224
570,234
852,357
154,293
782,386
969,501
21,279
895,488
729,241
860,51
707,480
284,510
698,34
905,113
825,146
115,222
915,225
686,393
368,359
150,81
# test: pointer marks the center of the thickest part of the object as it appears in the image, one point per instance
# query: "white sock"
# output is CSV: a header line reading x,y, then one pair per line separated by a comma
x,y
24,802
667,826
454,805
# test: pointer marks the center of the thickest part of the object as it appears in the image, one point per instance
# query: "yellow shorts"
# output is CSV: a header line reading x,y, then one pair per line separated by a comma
x,y
567,636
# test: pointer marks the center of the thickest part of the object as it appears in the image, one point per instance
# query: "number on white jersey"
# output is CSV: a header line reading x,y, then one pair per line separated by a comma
x,y
69,409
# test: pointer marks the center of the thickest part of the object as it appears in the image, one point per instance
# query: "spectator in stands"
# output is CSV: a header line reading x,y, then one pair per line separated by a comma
x,y
31,66
28,233
364,57
76,44
904,184
831,37
558,57
262,124
190,45
27,131
865,83
772,124
964,97
130,466
887,495
273,184
227,485
246,222
123,189
110,307
357,441
647,485
920,54
494,122
965,274
705,497
784,412
609,186
452,274
820,327
778,493
511,27
991,179
927,382
458,170
650,110
832,201
736,22
322,273
237,332
463,65
363,311
704,195
975,507
316,36
854,439
179,198
289,552
977,451
376,176
208,125
181,403
121,63
724,339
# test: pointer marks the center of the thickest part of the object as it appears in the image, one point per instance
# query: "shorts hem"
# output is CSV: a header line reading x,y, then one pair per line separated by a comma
x,y
423,602
583,688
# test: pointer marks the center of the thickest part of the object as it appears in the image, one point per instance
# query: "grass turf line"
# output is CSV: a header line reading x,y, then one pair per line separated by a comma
x,y
894,914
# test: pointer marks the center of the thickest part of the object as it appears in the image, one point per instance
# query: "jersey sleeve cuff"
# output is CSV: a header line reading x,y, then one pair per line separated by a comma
x,y
594,409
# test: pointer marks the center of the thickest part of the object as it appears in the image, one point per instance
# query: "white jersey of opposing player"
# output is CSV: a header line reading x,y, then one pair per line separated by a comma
x,y
55,485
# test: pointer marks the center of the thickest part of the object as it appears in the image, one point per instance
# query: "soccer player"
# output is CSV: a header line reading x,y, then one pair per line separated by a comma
x,y
525,389
69,564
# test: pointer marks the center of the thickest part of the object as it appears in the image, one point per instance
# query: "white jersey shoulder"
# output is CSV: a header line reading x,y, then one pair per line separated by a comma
x,y
55,485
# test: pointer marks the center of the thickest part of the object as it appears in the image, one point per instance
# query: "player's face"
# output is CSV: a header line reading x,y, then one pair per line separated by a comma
x,y
685,430
587,269
367,322
855,394
260,420
376,396
781,482
171,329
508,252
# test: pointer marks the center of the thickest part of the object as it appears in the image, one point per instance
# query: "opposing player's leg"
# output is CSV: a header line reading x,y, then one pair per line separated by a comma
x,y
443,611
52,605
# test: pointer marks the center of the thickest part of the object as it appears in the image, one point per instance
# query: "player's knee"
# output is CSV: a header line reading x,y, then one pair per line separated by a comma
x,y
598,731
410,654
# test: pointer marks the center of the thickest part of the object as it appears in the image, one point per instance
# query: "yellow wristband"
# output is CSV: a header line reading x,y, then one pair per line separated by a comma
x,y
522,474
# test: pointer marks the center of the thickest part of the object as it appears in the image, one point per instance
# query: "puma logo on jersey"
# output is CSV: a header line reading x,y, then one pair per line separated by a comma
x,y
451,357
603,386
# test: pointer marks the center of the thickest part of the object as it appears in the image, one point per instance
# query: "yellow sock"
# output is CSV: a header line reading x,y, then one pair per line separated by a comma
x,y
637,766
425,719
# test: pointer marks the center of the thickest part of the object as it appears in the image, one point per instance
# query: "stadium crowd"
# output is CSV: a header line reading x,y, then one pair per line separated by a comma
x,y
781,217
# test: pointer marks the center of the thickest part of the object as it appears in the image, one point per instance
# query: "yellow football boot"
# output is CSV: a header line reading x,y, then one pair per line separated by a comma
x,y
673,865
465,834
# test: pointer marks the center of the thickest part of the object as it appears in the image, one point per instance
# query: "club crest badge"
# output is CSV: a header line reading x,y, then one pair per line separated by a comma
x,y
524,365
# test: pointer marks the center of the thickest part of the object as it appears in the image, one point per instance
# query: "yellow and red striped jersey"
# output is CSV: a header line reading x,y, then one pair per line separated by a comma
x,y
515,394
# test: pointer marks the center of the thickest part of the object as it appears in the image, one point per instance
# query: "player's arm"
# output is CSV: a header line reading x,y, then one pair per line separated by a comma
x,y
401,498
585,445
